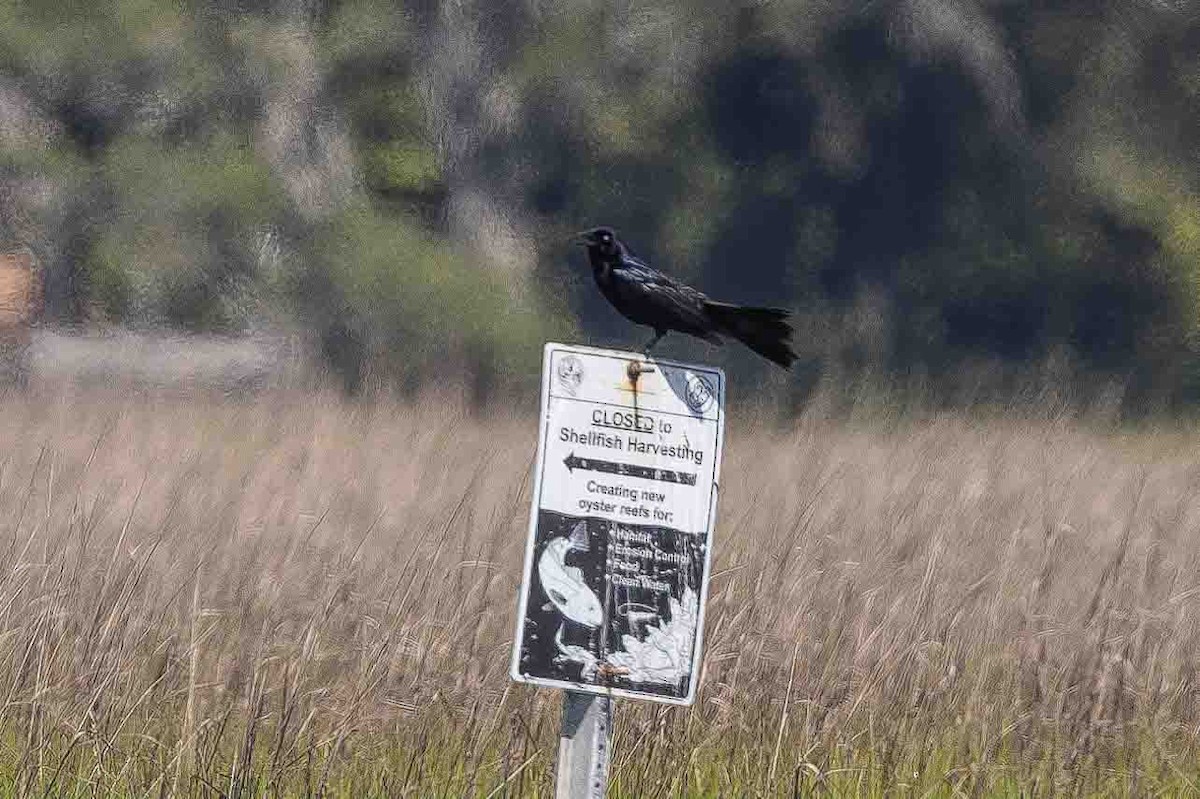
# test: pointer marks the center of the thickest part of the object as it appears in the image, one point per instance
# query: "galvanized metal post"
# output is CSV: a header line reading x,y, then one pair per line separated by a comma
x,y
583,746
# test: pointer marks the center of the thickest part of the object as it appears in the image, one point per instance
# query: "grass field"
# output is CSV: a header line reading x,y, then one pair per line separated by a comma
x,y
292,596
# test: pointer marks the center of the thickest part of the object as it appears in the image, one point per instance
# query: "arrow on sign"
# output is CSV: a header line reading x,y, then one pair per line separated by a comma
x,y
574,462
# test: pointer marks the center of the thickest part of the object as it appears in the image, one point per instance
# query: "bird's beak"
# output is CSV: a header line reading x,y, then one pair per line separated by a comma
x,y
581,239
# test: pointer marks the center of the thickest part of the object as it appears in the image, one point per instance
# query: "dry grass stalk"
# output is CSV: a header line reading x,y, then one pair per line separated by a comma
x,y
294,596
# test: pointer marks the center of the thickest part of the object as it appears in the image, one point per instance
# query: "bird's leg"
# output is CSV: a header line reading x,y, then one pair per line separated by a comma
x,y
636,368
658,334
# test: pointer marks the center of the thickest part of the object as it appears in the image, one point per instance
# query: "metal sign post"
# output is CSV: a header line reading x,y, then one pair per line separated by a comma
x,y
583,744
618,555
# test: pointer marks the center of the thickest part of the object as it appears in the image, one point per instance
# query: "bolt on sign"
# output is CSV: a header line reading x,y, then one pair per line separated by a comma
x,y
625,494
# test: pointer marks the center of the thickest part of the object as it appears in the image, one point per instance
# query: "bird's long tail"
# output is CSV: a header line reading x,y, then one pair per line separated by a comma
x,y
764,330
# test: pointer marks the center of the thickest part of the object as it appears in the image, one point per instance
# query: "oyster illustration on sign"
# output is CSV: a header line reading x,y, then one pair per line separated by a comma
x,y
664,656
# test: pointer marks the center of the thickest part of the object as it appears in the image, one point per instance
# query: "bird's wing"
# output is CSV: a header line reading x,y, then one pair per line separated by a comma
x,y
677,305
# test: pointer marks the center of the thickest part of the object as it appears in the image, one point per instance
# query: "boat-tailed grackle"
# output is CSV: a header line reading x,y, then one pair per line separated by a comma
x,y
648,297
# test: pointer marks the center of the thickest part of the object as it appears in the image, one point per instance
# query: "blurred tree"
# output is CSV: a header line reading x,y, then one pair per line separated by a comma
x,y
929,183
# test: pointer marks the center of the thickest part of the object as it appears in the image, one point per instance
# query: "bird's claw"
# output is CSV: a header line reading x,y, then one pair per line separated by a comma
x,y
650,344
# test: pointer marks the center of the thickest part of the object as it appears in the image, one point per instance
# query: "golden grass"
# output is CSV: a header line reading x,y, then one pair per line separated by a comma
x,y
294,596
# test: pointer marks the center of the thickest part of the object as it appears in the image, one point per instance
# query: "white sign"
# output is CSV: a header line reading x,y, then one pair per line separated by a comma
x,y
617,562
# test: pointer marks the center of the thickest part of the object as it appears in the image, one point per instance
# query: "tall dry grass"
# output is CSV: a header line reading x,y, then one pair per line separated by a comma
x,y
294,596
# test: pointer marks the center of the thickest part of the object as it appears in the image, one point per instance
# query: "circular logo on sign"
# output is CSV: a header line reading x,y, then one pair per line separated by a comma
x,y
700,395
570,374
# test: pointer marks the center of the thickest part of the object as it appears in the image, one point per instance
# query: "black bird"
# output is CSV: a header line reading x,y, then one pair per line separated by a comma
x,y
648,297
